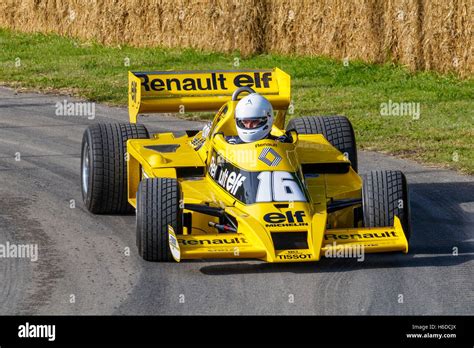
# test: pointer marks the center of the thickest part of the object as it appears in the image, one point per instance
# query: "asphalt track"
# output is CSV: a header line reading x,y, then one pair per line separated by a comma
x,y
85,255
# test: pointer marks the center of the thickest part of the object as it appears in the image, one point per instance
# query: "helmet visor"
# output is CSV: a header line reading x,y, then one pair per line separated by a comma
x,y
251,123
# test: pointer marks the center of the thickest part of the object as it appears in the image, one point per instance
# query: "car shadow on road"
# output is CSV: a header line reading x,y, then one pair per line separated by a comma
x,y
442,237
338,265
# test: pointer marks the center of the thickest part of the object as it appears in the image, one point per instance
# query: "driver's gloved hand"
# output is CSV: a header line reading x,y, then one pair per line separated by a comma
x,y
285,138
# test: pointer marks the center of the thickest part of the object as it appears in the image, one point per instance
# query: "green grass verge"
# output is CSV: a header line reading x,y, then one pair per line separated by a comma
x,y
443,134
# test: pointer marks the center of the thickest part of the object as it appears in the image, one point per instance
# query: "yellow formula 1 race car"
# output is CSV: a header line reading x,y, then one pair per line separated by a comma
x,y
197,196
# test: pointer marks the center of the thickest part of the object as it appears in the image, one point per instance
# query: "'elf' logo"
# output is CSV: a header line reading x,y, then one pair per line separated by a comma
x,y
289,218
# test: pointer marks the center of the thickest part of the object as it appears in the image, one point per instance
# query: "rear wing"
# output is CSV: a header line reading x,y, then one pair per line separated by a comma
x,y
191,91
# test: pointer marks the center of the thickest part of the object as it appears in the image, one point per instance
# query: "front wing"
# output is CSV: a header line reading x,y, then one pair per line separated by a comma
x,y
352,242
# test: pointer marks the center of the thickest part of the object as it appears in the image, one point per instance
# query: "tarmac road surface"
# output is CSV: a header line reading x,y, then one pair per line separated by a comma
x,y
83,266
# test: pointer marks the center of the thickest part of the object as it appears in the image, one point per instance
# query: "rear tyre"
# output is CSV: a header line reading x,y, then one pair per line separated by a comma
x,y
336,129
157,207
104,166
384,196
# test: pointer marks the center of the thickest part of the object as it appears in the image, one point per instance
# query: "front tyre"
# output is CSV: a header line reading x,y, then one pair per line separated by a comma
x,y
157,207
384,196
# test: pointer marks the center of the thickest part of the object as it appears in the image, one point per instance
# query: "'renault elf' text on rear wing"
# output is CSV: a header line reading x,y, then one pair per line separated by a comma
x,y
191,91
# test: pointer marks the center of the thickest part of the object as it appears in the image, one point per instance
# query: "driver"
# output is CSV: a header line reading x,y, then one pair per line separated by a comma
x,y
254,120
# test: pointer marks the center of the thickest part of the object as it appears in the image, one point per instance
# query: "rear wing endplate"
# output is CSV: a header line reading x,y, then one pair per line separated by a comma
x,y
194,91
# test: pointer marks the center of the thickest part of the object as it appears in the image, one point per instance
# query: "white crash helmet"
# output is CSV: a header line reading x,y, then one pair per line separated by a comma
x,y
253,117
